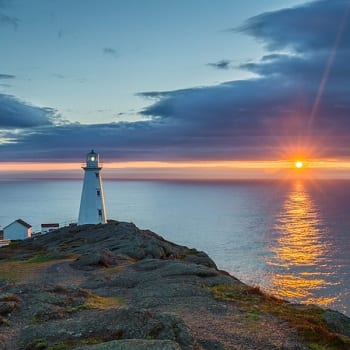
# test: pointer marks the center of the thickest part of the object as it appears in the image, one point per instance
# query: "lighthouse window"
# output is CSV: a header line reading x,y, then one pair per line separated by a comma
x,y
100,213
98,192
96,174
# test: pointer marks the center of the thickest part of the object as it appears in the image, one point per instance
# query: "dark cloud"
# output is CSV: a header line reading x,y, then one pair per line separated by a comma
x,y
119,140
300,98
110,51
138,141
7,76
6,20
311,66
310,27
223,64
17,114
266,107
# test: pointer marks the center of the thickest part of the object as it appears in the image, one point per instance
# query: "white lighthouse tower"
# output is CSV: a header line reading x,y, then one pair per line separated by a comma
x,y
92,205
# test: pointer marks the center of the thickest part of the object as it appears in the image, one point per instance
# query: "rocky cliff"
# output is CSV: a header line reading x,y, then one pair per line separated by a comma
x,y
115,286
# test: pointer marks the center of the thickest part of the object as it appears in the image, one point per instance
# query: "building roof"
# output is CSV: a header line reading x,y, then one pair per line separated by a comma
x,y
50,225
23,223
20,221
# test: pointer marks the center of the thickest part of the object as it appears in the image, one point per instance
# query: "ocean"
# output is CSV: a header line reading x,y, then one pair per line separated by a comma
x,y
291,238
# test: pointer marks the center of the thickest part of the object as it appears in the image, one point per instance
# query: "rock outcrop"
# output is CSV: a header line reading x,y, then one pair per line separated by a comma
x,y
115,286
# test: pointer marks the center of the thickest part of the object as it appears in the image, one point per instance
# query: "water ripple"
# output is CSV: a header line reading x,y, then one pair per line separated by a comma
x,y
301,251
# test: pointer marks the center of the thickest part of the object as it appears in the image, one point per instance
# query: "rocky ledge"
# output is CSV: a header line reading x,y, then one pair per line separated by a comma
x,y
115,286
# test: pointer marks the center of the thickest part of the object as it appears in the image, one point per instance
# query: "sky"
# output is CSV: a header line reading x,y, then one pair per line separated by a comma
x,y
162,88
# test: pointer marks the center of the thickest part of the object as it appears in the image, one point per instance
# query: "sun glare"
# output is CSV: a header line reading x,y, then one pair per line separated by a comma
x,y
299,164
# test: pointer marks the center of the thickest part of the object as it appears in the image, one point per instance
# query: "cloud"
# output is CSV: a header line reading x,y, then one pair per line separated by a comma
x,y
110,51
223,64
299,98
310,27
298,102
18,114
6,20
7,76
70,142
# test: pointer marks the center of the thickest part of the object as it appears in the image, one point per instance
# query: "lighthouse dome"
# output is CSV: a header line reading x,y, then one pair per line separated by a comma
x,y
92,159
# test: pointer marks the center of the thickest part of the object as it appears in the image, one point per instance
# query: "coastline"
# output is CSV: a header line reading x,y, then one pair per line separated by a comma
x,y
97,284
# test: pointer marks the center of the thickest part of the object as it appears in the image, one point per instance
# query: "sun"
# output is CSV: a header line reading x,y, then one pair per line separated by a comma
x,y
299,164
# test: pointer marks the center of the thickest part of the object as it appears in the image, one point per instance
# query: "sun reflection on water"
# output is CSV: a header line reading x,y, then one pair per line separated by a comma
x,y
301,250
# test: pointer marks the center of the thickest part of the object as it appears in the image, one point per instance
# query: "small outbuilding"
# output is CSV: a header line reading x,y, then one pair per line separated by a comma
x,y
19,229
49,227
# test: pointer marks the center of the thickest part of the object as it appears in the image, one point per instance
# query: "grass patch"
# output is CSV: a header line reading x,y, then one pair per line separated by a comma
x,y
17,271
42,258
307,320
103,303
94,301
24,270
254,315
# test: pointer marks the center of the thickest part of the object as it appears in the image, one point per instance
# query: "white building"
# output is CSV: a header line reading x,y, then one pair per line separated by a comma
x,y
49,227
92,206
18,229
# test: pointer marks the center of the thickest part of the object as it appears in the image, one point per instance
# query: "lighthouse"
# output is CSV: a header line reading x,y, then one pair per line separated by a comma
x,y
92,205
